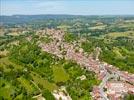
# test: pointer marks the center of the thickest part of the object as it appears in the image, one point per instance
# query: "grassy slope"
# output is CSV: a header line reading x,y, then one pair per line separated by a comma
x,y
59,74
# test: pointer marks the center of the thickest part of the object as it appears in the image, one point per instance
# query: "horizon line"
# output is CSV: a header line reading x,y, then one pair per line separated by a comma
x,y
71,14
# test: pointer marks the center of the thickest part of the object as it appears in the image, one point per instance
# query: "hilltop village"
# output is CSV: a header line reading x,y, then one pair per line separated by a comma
x,y
114,83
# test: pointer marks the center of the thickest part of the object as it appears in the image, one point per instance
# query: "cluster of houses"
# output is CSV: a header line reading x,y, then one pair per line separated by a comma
x,y
121,84
123,74
96,95
117,89
113,89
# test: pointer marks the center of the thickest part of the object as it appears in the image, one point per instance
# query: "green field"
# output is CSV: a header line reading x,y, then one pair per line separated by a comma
x,y
6,89
42,83
117,53
59,74
26,84
129,34
7,65
98,27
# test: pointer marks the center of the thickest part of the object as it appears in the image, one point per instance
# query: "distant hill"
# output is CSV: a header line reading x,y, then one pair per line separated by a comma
x,y
20,19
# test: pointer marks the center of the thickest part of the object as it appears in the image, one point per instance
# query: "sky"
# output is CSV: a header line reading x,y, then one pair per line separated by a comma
x,y
73,7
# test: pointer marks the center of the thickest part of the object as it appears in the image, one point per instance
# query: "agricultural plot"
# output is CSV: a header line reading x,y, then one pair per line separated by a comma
x,y
128,34
59,74
6,89
117,53
127,25
42,83
98,27
7,65
26,84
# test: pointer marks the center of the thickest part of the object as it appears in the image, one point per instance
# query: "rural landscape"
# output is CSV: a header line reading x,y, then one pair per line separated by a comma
x,y
53,50
67,57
